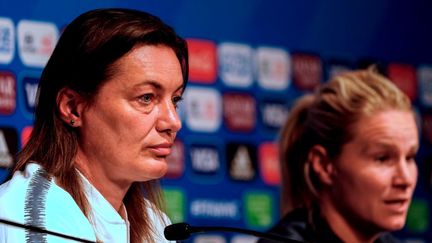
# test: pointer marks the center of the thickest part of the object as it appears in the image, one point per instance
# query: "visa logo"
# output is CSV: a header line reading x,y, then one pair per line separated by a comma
x,y
204,160
274,114
30,86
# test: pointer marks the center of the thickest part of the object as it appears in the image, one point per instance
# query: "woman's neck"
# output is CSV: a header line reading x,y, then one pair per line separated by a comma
x,y
114,192
346,230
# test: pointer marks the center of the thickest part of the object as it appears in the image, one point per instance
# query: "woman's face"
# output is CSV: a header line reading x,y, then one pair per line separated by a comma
x,y
128,130
375,174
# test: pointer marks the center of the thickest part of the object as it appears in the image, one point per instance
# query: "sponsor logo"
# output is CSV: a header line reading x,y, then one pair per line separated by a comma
x,y
30,86
259,209
25,135
209,239
176,161
425,81
269,163
418,216
175,204
273,67
215,209
241,161
307,70
273,114
239,112
404,76
7,40
204,159
236,64
202,61
203,109
36,42
336,67
8,146
7,93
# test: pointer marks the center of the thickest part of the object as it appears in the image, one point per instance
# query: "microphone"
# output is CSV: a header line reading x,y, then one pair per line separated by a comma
x,y
44,231
182,231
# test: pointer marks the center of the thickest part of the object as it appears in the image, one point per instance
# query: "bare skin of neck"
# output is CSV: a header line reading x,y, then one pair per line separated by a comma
x,y
342,227
112,192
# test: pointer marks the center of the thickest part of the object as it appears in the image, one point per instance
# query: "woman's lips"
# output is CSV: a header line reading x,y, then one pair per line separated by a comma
x,y
161,150
397,205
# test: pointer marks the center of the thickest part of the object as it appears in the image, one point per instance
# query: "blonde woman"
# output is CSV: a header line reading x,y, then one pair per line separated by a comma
x,y
347,156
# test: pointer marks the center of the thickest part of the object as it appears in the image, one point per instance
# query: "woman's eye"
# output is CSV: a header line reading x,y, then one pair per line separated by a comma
x,y
382,158
176,100
146,99
411,158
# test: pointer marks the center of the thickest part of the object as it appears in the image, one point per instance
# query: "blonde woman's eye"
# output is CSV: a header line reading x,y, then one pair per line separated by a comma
x,y
382,158
410,158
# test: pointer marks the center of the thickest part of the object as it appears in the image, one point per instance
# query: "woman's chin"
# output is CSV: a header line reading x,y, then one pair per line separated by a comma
x,y
154,170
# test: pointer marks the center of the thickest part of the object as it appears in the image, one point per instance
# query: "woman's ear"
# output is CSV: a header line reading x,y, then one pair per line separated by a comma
x,y
70,106
321,164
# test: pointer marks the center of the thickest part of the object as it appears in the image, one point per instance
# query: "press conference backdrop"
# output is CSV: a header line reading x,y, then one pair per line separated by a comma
x,y
249,60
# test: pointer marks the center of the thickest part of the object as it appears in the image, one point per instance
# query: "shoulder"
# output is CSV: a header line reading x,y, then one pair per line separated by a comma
x,y
293,225
32,198
13,193
159,221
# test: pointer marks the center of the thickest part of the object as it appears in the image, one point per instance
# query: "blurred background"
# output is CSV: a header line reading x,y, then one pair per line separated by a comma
x,y
249,60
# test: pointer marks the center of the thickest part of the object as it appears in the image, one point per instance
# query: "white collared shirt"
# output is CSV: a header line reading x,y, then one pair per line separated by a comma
x,y
28,198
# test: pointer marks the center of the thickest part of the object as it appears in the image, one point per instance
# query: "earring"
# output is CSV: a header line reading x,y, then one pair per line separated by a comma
x,y
72,122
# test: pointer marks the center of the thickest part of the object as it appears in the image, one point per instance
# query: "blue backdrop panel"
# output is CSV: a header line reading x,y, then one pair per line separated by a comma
x,y
250,59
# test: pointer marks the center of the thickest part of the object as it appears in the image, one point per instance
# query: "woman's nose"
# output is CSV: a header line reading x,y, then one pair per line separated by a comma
x,y
169,119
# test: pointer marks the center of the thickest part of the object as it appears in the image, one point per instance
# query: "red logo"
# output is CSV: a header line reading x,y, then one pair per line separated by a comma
x,y
175,161
239,111
269,163
307,70
7,93
404,76
202,61
25,135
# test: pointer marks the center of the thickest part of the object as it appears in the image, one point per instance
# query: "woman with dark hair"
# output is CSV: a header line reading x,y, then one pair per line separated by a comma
x,y
347,160
105,122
